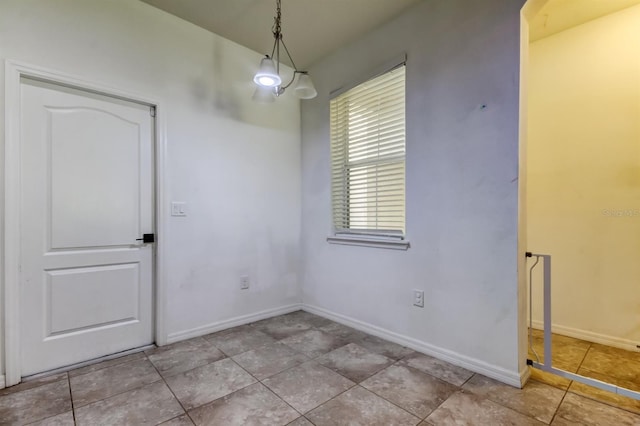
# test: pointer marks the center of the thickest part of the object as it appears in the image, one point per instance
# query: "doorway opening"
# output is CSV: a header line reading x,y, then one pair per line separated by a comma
x,y
580,181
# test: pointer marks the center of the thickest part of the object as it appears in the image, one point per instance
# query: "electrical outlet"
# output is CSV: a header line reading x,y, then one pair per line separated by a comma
x,y
244,282
418,298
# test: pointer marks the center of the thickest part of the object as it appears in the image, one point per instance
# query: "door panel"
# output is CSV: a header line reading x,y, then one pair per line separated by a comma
x,y
104,204
75,297
87,195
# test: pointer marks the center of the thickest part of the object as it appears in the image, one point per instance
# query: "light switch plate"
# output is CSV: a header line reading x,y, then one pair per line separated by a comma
x,y
178,208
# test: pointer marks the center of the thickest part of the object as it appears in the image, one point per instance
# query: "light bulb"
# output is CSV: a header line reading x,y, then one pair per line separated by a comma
x,y
267,75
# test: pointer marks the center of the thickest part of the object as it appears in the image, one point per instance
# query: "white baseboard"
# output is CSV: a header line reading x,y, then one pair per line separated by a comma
x,y
513,378
232,322
590,336
3,384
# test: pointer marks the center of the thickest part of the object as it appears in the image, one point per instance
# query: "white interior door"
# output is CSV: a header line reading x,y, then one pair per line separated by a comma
x,y
87,194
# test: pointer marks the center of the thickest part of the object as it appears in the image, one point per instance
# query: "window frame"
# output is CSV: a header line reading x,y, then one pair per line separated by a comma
x,y
393,239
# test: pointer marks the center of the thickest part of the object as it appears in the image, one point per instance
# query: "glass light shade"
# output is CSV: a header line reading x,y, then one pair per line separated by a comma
x,y
267,76
264,95
304,87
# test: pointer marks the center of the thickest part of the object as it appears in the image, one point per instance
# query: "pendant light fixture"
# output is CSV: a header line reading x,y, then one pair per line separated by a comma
x,y
268,76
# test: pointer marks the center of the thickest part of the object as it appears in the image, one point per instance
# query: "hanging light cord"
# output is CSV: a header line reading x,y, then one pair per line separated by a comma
x,y
278,39
531,309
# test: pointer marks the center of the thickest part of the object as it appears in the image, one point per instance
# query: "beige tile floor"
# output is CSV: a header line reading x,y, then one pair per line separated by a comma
x,y
604,363
300,369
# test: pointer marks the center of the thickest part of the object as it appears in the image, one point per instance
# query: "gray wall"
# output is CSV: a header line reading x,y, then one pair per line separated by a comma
x,y
462,188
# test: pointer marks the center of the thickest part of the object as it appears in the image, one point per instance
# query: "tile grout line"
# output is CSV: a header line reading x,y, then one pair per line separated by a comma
x,y
186,413
489,397
390,402
393,403
243,369
580,365
460,389
309,360
294,366
269,389
583,358
237,390
55,415
396,362
124,391
559,405
468,380
566,391
261,381
73,408
356,384
108,366
332,398
592,397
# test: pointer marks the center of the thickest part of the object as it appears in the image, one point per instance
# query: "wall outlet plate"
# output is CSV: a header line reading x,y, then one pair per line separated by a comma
x,y
244,282
418,298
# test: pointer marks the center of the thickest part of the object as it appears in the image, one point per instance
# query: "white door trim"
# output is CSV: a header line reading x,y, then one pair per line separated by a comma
x,y
13,73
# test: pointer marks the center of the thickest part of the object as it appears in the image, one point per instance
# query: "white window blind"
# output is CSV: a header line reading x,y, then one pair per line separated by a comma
x,y
368,156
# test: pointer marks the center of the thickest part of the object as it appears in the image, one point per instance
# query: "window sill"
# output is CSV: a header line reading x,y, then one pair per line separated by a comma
x,y
358,240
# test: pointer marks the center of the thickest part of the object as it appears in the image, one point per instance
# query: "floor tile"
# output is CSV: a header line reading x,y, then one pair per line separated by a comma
x,y
536,400
398,385
104,364
550,379
183,356
34,383
342,331
282,327
308,385
151,404
269,360
604,396
465,408
35,404
183,420
560,339
240,339
110,381
417,392
623,365
354,362
567,354
618,353
313,343
300,421
384,347
64,419
308,317
579,410
209,382
253,405
438,368
359,407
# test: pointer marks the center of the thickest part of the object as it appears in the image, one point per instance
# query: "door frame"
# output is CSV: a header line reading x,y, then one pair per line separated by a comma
x,y
14,71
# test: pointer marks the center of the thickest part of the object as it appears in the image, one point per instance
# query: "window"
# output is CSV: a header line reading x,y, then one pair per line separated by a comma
x,y
368,157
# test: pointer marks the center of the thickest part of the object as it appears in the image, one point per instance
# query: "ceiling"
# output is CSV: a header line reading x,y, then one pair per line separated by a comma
x,y
311,28
560,15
